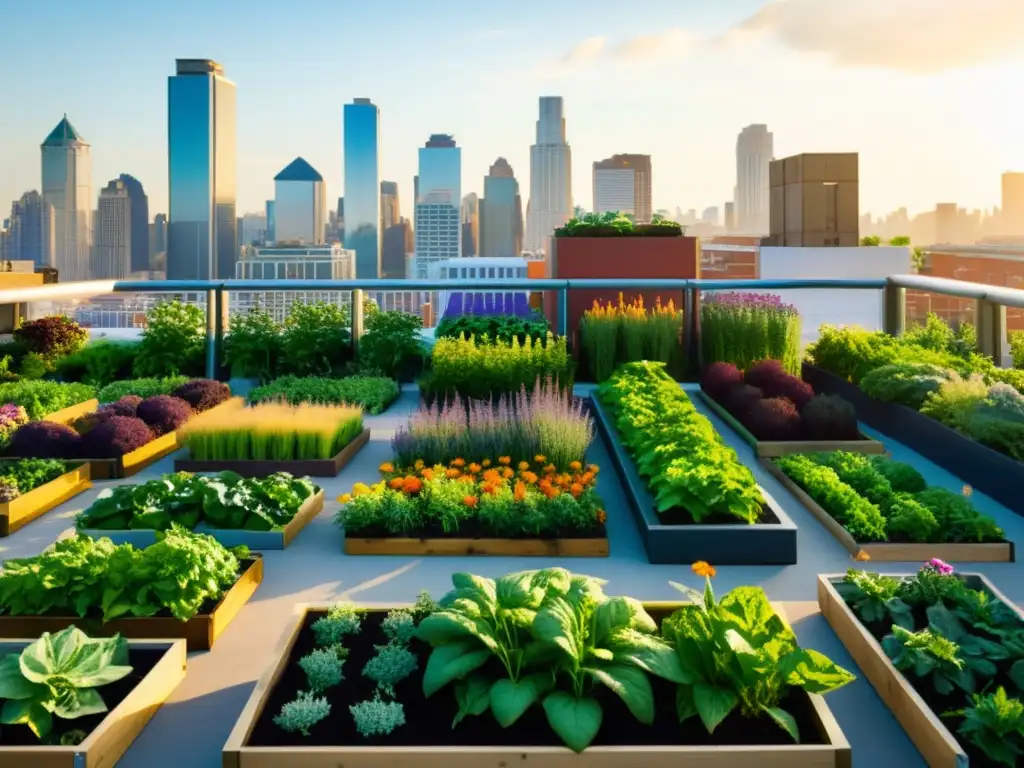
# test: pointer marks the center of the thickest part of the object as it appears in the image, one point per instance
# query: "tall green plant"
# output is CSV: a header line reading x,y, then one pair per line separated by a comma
x,y
613,334
254,345
743,328
173,341
316,339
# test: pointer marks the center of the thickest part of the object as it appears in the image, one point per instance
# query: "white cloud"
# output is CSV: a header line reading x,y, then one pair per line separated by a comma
x,y
587,51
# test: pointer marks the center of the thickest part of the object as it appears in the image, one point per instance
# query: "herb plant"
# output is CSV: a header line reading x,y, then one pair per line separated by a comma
x,y
301,714
316,339
24,475
399,626
619,333
99,363
926,653
41,398
524,323
391,664
377,717
51,337
372,393
323,668
341,620
994,723
140,388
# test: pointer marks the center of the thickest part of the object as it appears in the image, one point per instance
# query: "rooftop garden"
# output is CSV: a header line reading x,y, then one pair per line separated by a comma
x,y
614,224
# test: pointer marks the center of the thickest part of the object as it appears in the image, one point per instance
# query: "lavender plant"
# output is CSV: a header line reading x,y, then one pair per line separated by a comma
x,y
742,328
548,422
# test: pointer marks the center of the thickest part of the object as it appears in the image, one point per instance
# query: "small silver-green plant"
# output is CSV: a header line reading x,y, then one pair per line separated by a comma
x,y
323,668
399,626
376,717
423,607
391,665
302,713
341,620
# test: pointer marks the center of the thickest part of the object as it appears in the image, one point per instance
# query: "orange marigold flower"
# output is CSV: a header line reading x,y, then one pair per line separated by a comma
x,y
550,469
474,468
396,483
703,568
489,489
587,478
861,556
387,466
540,458
520,491
601,516
428,474
506,460
467,479
575,489
412,484
470,501
486,463
552,493
523,466
593,468
507,472
575,466
530,477
345,498
453,472
458,462
492,476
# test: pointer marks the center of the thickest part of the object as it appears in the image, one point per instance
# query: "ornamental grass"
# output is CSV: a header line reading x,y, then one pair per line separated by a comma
x,y
273,431
494,497
743,328
547,421
613,334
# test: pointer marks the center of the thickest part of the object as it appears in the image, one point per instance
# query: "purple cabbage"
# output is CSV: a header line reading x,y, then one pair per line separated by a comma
x,y
203,394
163,413
115,436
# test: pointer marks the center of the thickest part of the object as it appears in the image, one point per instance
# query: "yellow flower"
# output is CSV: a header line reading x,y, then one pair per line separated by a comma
x,y
377,487
861,556
485,463
387,466
540,458
419,464
345,498
601,516
360,489
703,568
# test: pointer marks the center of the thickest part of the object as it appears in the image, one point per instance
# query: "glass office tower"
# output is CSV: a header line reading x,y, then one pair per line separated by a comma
x,y
439,198
362,186
202,229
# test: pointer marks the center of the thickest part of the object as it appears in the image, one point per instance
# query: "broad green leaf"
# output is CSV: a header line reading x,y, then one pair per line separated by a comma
x,y
692,595
945,623
517,590
713,704
785,720
519,617
554,581
452,661
576,721
82,702
738,643
13,684
556,624
685,707
510,699
650,653
631,685
445,626
480,584
812,671
1016,675
748,610
472,695
27,712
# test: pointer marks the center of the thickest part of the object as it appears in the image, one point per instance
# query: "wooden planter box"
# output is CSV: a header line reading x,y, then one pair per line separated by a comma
x,y
924,727
27,507
884,551
109,740
255,540
73,412
834,753
135,461
249,468
739,544
774,448
200,632
991,472
498,547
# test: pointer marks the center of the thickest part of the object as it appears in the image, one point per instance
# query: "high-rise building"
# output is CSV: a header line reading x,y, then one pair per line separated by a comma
x,y
815,200
140,223
947,224
362,186
438,226
550,203
710,216
754,151
730,216
470,218
501,213
31,230
300,204
202,235
158,236
390,211
397,244
271,225
112,254
253,229
67,186
622,184
1013,203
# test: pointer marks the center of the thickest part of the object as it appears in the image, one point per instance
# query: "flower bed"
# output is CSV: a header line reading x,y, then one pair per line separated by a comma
x,y
985,469
689,492
778,414
612,334
32,487
123,589
315,440
371,393
260,514
742,328
117,686
881,509
942,651
539,666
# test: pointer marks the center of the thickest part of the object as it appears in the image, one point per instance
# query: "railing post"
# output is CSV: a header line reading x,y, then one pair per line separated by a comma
x,y
214,333
563,314
691,331
894,317
357,319
990,324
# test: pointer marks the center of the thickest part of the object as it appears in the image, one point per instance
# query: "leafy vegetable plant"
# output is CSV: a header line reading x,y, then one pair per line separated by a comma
x,y
372,393
994,723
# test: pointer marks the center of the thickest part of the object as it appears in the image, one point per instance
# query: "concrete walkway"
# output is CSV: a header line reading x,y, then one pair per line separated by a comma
x,y
191,728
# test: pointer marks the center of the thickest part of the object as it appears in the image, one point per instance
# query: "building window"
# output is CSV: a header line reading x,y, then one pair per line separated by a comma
x,y
472,272
490,271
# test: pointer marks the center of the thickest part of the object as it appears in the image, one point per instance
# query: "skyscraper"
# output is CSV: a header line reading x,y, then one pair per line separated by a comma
x,y
550,176
390,212
202,172
438,225
112,255
362,186
754,151
158,236
140,223
300,204
730,216
622,184
470,217
1012,209
67,186
31,233
501,212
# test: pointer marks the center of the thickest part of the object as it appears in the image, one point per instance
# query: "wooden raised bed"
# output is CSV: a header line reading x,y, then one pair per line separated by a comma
x,y
27,507
72,412
728,544
895,552
249,468
924,727
200,632
991,472
834,753
255,540
108,741
135,461
775,448
482,546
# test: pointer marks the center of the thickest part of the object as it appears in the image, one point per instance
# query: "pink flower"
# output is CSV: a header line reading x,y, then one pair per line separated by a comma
x,y
940,567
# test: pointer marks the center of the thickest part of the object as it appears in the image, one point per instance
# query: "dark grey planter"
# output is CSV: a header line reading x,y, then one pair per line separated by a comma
x,y
739,544
984,469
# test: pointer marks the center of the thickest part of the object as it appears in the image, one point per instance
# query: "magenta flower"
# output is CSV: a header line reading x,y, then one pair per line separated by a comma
x,y
940,567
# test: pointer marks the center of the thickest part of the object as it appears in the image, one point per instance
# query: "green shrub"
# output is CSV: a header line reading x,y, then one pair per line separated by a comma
x,y
955,399
372,393
936,335
392,344
958,520
323,668
254,345
1017,348
901,476
99,363
910,520
908,384
341,620
141,387
173,342
51,337
34,366
502,328
615,224
301,714
41,398
316,339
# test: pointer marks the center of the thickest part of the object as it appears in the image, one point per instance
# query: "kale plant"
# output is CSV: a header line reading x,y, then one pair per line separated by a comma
x,y
874,598
994,723
927,654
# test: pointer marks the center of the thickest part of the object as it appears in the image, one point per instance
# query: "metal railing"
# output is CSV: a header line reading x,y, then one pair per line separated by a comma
x,y
990,308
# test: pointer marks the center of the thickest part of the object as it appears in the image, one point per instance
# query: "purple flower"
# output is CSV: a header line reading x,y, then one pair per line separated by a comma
x,y
940,567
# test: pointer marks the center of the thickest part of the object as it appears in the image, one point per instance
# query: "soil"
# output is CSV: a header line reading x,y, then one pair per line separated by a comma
x,y
142,662
472,529
429,721
680,516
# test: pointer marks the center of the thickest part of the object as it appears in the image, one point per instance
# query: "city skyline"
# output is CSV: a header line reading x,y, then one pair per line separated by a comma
x,y
880,101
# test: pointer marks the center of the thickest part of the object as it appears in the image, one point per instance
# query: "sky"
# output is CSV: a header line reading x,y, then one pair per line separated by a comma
x,y
927,91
